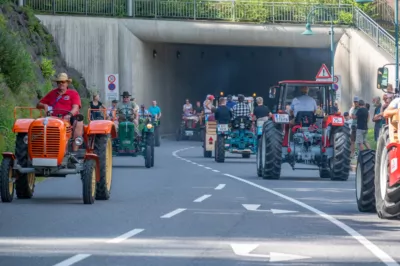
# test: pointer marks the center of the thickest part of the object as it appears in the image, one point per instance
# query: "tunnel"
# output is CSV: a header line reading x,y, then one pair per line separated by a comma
x,y
193,71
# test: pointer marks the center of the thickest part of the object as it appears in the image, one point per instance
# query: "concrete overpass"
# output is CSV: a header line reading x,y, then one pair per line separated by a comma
x,y
171,60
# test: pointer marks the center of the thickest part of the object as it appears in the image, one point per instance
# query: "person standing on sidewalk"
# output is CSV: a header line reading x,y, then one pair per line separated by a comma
x,y
378,116
353,112
362,117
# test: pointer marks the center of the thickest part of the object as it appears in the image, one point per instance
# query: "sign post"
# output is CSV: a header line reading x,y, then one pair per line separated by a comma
x,y
112,87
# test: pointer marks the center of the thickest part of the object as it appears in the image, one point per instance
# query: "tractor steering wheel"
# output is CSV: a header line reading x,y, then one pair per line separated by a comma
x,y
128,111
50,113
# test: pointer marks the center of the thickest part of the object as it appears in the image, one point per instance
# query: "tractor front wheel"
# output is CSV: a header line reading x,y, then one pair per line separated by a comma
x,y
89,185
246,155
258,157
7,184
340,162
25,183
272,139
157,137
103,149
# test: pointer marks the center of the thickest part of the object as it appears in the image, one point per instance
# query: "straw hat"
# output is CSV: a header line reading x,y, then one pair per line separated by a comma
x,y
62,77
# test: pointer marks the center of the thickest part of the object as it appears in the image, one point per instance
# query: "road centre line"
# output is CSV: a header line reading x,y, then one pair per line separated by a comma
x,y
173,213
379,253
215,171
220,186
79,257
202,198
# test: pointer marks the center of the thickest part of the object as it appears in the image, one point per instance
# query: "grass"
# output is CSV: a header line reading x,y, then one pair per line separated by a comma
x,y
370,138
39,179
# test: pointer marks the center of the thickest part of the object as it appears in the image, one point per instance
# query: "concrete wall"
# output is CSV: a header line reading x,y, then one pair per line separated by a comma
x,y
357,59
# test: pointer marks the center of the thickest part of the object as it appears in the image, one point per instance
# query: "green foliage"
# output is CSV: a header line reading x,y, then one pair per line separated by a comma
x,y
47,68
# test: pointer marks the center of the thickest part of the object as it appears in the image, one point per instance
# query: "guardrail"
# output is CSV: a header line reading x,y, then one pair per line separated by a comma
x,y
243,11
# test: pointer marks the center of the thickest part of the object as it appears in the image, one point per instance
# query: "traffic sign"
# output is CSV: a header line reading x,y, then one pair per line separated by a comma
x,y
323,73
335,87
336,79
112,87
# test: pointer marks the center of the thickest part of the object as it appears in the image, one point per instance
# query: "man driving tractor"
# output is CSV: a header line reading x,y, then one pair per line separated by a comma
x,y
241,108
303,103
64,101
127,110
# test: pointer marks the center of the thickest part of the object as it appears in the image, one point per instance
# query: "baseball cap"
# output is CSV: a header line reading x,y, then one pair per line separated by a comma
x,y
356,99
346,113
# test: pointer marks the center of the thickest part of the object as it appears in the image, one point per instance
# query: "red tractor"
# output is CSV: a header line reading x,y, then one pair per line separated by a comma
x,y
378,173
319,138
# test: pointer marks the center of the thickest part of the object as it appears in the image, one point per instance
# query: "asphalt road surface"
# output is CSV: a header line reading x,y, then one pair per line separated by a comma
x,y
189,210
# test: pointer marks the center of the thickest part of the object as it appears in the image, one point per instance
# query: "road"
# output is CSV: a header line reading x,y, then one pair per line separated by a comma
x,y
189,210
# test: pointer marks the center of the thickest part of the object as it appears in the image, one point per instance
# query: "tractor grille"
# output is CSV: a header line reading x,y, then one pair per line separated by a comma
x,y
37,141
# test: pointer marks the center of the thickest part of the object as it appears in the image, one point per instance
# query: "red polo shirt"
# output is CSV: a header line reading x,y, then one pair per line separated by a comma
x,y
64,102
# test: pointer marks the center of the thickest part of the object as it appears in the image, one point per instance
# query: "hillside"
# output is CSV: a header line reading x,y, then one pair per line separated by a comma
x,y
29,58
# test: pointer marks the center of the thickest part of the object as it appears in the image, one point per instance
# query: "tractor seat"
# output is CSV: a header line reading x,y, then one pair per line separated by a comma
x,y
305,118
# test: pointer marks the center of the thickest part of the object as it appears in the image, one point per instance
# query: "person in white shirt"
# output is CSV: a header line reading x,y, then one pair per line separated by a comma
x,y
303,103
392,109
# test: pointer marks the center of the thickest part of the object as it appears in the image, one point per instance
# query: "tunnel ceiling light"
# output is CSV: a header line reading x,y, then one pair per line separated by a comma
x,y
221,93
308,30
254,94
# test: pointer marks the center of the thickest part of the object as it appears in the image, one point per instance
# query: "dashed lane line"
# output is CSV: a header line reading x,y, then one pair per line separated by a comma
x,y
173,213
202,198
220,186
379,253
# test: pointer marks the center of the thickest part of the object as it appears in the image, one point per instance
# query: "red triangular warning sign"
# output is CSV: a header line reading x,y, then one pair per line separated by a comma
x,y
323,73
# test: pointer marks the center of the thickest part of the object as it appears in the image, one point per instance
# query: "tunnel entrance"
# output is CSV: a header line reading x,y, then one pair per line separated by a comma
x,y
175,72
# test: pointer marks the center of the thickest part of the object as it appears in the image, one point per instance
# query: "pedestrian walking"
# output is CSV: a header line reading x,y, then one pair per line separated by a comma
x,y
362,117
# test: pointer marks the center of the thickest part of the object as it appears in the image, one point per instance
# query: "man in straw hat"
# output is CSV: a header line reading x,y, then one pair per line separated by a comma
x,y
123,110
62,99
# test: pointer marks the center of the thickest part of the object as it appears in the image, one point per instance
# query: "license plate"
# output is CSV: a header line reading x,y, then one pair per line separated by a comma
x,y
223,127
189,133
337,120
259,130
126,142
281,118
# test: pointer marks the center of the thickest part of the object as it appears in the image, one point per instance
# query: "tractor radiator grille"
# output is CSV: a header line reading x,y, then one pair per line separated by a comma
x,y
38,139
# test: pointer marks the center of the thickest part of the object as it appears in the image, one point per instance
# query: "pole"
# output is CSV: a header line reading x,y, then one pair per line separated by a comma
x,y
332,55
396,15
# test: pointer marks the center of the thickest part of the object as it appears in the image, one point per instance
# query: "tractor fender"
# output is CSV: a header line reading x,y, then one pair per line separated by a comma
x,y
22,125
92,156
102,127
8,155
335,120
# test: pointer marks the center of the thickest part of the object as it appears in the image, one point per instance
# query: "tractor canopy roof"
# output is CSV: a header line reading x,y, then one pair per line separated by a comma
x,y
305,82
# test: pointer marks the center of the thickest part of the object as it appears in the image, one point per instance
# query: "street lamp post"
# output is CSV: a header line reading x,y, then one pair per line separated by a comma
x,y
396,37
308,31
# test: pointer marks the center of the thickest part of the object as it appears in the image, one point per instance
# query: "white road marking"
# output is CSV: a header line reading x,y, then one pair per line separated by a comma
x,y
245,249
216,171
125,236
254,207
209,168
379,253
173,213
220,186
200,165
202,198
73,260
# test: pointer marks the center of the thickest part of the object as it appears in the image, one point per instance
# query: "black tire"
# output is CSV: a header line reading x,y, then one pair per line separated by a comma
x,y
7,186
103,149
325,173
151,143
386,207
258,158
272,147
157,137
25,183
147,156
246,155
340,162
202,134
365,178
220,149
178,134
89,186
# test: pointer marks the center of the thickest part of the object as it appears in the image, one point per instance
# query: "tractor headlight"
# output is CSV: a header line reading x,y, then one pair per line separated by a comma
x,y
26,139
149,126
79,141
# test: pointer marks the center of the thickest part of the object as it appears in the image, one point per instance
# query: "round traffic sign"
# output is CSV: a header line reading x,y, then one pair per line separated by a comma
x,y
111,86
335,79
111,78
335,87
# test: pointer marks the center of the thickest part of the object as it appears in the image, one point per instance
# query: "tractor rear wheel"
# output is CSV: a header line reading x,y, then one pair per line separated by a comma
x,y
220,149
25,183
89,185
340,161
387,199
365,177
7,184
272,139
258,157
103,149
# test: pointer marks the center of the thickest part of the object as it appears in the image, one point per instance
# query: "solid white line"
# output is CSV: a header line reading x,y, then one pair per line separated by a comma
x,y
216,171
202,198
73,260
125,236
220,186
379,253
170,214
384,257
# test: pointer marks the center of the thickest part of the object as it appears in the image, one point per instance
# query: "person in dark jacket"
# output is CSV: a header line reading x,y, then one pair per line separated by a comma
x,y
223,114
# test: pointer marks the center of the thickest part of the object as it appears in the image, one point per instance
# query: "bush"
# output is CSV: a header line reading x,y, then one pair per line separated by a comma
x,y
47,68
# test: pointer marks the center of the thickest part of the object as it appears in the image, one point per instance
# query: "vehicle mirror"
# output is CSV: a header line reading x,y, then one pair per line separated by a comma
x,y
382,78
272,92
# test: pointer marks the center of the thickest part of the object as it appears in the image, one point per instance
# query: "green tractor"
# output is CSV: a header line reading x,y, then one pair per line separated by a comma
x,y
129,143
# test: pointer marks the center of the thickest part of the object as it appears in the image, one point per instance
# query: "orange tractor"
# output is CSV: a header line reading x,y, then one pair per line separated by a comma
x,y
43,148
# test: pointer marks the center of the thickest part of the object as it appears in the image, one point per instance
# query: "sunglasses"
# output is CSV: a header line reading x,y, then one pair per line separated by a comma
x,y
61,82
126,97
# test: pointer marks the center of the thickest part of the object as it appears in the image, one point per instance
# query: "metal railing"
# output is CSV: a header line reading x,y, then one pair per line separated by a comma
x,y
243,11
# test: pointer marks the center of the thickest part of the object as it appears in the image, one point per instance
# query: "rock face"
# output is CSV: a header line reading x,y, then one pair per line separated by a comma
x,y
40,44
